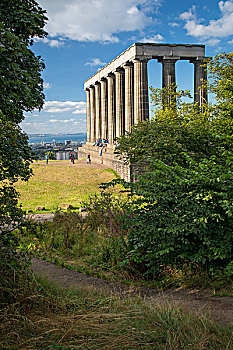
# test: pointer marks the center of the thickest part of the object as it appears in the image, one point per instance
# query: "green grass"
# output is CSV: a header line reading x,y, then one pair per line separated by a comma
x,y
49,317
52,185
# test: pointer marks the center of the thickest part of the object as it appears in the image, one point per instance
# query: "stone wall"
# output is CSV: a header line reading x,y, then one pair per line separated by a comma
x,y
108,158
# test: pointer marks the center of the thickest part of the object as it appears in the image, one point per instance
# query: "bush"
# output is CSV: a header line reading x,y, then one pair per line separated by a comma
x,y
183,215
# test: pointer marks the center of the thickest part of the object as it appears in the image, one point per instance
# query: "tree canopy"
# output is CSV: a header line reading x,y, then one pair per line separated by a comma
x,y
21,88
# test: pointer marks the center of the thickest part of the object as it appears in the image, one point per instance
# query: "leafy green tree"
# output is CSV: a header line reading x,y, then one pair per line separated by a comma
x,y
183,211
21,90
220,70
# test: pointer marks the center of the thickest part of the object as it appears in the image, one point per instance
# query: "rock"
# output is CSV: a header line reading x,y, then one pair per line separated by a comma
x,y
81,210
66,206
39,208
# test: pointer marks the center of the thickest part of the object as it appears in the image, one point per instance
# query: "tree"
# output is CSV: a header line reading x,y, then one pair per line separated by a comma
x,y
183,209
21,90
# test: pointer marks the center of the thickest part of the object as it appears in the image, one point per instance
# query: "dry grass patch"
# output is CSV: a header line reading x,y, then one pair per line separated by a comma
x,y
85,319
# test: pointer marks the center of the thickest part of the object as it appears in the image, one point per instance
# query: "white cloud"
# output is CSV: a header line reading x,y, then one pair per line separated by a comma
x,y
226,6
213,42
133,10
217,28
230,42
53,120
65,106
173,24
95,62
96,20
188,15
62,121
35,115
47,85
51,42
157,38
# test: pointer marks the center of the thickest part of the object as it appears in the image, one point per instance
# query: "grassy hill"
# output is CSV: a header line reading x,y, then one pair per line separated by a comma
x,y
59,182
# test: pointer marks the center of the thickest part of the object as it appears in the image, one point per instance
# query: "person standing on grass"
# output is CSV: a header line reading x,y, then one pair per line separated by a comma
x,y
72,158
47,158
88,159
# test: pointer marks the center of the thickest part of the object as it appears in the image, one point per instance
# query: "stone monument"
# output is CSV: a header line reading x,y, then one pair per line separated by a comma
x,y
117,95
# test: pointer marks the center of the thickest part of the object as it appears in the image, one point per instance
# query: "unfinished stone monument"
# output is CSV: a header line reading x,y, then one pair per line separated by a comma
x,y
117,95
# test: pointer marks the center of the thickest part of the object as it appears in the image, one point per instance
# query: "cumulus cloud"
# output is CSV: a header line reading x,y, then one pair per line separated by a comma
x,y
96,20
217,28
65,106
157,38
95,62
51,42
188,15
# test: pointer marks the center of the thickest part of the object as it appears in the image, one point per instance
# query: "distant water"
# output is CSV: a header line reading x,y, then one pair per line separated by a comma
x,y
59,138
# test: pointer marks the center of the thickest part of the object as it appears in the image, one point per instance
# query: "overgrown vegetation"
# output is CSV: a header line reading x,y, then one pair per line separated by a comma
x,y
183,211
48,317
21,90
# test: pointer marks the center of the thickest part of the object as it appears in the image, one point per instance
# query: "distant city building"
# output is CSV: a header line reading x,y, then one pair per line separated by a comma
x,y
65,155
67,142
42,143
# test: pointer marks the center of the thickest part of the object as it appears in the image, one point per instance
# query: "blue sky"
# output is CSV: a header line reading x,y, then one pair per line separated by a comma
x,y
84,35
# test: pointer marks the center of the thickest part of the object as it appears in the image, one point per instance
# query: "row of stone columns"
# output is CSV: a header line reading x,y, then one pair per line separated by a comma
x,y
117,102
120,100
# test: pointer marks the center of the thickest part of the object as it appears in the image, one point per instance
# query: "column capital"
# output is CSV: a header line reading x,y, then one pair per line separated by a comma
x,y
127,65
103,80
87,89
119,71
198,60
97,83
140,60
110,76
168,59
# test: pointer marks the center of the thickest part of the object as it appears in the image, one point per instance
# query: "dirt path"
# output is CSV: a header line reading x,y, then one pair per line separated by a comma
x,y
218,309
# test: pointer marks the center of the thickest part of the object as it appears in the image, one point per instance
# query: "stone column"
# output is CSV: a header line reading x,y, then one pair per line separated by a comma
x,y
88,113
111,108
169,77
120,127
141,100
98,110
200,77
104,109
93,115
129,100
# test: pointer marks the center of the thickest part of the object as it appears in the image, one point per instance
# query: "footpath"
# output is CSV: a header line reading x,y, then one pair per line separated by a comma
x,y
217,309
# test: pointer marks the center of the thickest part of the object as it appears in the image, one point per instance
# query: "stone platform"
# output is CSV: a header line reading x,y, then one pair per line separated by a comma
x,y
108,158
